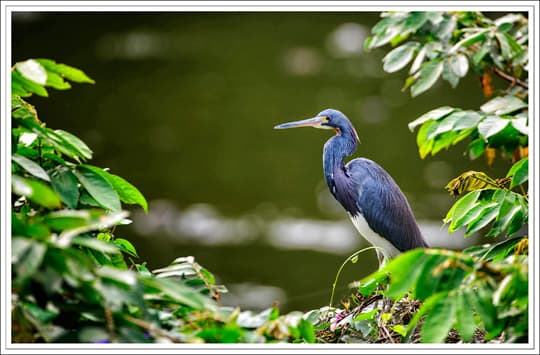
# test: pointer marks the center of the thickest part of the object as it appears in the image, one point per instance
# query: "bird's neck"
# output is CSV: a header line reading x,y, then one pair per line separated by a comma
x,y
335,151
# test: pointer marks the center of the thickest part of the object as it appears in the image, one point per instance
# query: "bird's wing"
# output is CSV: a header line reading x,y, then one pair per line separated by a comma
x,y
383,205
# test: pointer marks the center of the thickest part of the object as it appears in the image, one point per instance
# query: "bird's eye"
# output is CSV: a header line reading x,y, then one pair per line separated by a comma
x,y
326,119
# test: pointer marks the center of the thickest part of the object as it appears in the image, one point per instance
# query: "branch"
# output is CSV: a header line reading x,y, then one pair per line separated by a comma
x,y
510,78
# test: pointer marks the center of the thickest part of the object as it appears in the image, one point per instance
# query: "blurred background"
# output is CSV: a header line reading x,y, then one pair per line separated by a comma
x,y
183,108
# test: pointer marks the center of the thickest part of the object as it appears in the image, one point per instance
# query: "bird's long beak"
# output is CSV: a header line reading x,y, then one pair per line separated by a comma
x,y
315,122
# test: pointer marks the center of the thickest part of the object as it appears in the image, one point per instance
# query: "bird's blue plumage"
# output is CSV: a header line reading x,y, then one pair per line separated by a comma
x,y
383,205
364,188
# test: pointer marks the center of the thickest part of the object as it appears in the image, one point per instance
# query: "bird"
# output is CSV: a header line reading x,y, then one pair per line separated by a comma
x,y
373,200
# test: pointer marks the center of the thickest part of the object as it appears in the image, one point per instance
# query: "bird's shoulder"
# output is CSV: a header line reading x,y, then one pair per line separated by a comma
x,y
360,169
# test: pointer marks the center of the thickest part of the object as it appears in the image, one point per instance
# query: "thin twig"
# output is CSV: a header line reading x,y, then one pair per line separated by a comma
x,y
151,328
110,324
388,334
510,78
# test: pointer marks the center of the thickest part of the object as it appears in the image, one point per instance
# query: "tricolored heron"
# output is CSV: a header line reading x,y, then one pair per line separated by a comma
x,y
377,207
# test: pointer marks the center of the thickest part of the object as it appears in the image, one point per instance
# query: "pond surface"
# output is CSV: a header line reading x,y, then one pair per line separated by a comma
x,y
183,107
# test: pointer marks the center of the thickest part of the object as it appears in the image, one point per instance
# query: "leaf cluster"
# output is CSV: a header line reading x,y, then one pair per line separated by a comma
x,y
448,44
73,278
480,294
484,287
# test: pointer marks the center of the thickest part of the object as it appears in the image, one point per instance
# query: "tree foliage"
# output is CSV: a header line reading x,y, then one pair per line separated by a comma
x,y
73,278
484,288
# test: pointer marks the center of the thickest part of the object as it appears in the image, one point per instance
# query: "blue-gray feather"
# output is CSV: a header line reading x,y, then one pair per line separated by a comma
x,y
383,205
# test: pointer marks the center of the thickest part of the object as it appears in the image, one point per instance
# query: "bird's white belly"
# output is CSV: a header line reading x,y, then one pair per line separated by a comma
x,y
388,249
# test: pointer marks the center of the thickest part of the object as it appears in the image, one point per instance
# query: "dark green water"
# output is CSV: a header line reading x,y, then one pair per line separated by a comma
x,y
183,107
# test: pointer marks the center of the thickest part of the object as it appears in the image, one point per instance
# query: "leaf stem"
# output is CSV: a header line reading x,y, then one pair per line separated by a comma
x,y
510,78
355,254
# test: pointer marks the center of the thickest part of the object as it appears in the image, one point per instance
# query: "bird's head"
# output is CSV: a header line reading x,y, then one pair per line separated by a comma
x,y
327,119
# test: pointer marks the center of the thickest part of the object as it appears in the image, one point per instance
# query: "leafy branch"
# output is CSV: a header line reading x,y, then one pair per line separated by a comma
x,y
480,294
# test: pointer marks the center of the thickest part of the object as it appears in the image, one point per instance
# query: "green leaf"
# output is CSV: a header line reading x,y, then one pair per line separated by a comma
x,y
87,200
417,63
43,315
497,251
178,293
26,87
26,257
509,18
448,123
446,27
404,271
98,187
482,303
65,184
33,71
127,192
492,125
435,114
464,317
125,246
509,47
82,148
382,25
95,244
56,81
400,329
106,237
31,167
67,219
399,57
306,331
459,65
225,334
489,212
208,276
517,222
415,20
426,307
426,148
96,220
125,277
427,282
443,141
434,49
462,206
370,283
472,214
52,138
502,105
17,88
439,321
35,191
66,71
467,119
449,75
384,37
368,315
519,172
143,270
509,209
470,39
520,123
479,55
429,74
